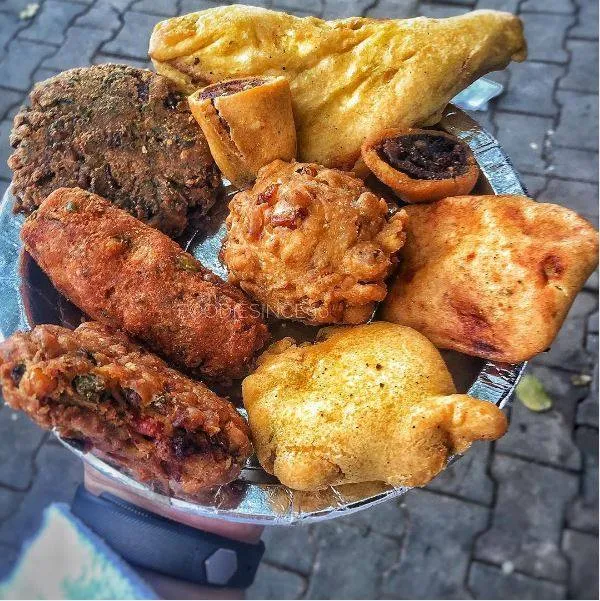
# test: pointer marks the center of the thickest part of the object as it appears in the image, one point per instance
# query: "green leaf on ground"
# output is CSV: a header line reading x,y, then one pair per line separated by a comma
x,y
530,391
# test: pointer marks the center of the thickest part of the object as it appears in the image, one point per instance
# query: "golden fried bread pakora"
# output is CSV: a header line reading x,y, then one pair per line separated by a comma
x,y
491,276
312,244
370,402
350,78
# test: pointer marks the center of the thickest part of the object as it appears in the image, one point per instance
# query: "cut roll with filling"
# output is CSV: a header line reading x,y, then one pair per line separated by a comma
x,y
248,123
106,394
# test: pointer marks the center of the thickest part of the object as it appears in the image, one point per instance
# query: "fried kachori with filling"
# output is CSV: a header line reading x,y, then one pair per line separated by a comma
x,y
374,402
491,276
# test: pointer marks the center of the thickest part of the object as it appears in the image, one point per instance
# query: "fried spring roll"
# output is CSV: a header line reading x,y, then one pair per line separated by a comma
x,y
130,276
95,386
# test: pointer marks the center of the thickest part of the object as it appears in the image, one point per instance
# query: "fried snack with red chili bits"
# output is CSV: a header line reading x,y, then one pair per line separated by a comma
x,y
124,133
97,388
130,276
491,276
312,244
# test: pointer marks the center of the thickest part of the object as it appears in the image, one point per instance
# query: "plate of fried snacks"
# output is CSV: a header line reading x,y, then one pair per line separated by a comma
x,y
279,278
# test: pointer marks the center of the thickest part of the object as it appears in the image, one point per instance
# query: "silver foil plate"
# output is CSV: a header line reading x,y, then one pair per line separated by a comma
x,y
27,298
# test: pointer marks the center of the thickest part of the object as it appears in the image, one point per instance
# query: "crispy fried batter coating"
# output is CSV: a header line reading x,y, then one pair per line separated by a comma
x,y
370,402
131,276
312,244
491,276
93,385
124,133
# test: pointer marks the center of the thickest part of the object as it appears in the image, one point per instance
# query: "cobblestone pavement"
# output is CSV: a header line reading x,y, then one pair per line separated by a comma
x,y
517,519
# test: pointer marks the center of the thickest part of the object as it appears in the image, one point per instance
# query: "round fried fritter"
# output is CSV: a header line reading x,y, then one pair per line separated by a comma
x,y
126,134
312,244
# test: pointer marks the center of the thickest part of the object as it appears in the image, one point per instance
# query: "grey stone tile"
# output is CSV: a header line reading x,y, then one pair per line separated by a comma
x,y
103,15
341,569
132,39
101,59
291,547
468,477
9,502
580,196
313,7
526,522
272,582
51,22
80,45
587,21
587,411
566,7
28,55
441,11
20,439
523,137
531,88
58,473
8,100
509,6
582,550
340,9
534,184
567,350
489,582
582,74
394,9
432,544
578,118
545,34
547,436
574,164
165,8
388,518
583,514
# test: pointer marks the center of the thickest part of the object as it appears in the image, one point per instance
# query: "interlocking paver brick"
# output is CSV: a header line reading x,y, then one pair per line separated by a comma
x,y
468,476
8,100
52,21
164,8
582,74
441,11
13,7
531,88
105,14
535,184
314,7
523,137
579,196
9,502
582,550
396,9
567,349
42,73
58,473
9,26
583,513
526,522
133,38
28,55
505,5
549,6
490,582
339,9
546,437
587,20
272,582
421,571
579,114
190,6
290,547
587,411
545,34
8,557
349,575
571,163
20,440
80,45
101,59
386,518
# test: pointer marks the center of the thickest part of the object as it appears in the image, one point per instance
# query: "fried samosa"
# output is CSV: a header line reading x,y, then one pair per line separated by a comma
x,y
349,78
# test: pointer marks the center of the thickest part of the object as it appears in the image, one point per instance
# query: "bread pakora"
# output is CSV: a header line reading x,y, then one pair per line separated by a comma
x,y
248,124
124,133
131,276
105,393
370,402
350,78
312,244
491,276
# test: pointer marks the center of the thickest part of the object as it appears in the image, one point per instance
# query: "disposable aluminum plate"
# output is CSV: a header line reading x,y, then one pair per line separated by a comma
x,y
27,298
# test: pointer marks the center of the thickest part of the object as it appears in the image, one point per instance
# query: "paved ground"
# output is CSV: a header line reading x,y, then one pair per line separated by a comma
x,y
517,519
